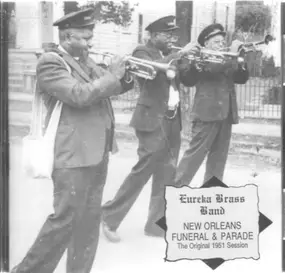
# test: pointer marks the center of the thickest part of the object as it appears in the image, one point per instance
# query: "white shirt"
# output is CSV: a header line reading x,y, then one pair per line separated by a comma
x,y
174,98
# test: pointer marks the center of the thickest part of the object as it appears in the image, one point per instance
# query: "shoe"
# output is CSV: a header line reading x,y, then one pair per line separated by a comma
x,y
154,234
111,235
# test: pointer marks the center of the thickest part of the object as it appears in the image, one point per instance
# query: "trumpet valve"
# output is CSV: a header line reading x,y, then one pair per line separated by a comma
x,y
131,67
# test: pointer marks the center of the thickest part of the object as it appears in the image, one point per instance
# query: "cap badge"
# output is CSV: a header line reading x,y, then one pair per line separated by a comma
x,y
171,24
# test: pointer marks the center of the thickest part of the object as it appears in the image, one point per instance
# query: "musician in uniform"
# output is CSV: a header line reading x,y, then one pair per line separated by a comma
x,y
83,141
214,111
157,124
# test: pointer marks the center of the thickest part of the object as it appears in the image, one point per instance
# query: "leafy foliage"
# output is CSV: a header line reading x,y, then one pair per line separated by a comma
x,y
253,16
119,13
70,7
273,96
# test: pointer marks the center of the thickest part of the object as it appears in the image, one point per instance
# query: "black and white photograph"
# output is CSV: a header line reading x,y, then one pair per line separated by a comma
x,y
145,136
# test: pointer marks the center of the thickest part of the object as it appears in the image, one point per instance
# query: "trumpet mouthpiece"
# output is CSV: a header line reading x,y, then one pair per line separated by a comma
x,y
176,47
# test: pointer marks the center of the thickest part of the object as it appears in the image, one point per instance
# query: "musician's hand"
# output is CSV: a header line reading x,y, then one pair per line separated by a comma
x,y
190,48
118,66
228,64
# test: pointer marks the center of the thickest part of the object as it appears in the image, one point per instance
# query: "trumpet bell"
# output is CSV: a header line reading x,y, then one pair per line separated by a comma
x,y
140,69
148,69
268,38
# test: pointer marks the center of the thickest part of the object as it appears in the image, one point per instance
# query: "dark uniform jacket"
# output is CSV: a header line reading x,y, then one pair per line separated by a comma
x,y
154,94
215,96
87,121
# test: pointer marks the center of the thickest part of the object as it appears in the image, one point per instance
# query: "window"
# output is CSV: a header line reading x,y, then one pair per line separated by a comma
x,y
12,25
140,34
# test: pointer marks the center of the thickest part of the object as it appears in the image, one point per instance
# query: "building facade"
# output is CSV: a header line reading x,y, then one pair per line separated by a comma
x,y
33,23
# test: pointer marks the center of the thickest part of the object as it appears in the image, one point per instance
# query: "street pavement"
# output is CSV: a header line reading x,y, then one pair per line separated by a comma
x,y
123,119
31,202
242,128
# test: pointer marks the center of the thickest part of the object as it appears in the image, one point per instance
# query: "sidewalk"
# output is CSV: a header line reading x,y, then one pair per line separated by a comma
x,y
252,139
271,130
123,120
138,253
258,140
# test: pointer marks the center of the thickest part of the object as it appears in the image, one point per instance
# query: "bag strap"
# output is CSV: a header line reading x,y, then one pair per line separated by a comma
x,y
54,120
36,128
56,113
37,114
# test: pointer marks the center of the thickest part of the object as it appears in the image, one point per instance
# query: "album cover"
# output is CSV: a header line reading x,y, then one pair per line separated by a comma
x,y
144,136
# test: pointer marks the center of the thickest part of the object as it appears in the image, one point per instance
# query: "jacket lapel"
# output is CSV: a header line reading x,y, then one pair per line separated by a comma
x,y
76,66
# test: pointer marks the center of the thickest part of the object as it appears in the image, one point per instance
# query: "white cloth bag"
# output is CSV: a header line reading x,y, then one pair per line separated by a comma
x,y
38,148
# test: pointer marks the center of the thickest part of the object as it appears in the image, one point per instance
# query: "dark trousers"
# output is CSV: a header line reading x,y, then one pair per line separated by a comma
x,y
158,153
75,224
208,138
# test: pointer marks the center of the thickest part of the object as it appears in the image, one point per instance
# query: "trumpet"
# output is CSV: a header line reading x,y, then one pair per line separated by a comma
x,y
101,54
141,68
253,46
221,56
205,56
148,69
210,56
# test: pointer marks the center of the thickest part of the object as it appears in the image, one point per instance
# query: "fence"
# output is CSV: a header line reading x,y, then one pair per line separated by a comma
x,y
259,98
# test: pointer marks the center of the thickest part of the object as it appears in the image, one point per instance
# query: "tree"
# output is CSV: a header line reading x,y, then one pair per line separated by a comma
x,y
119,13
253,17
70,7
